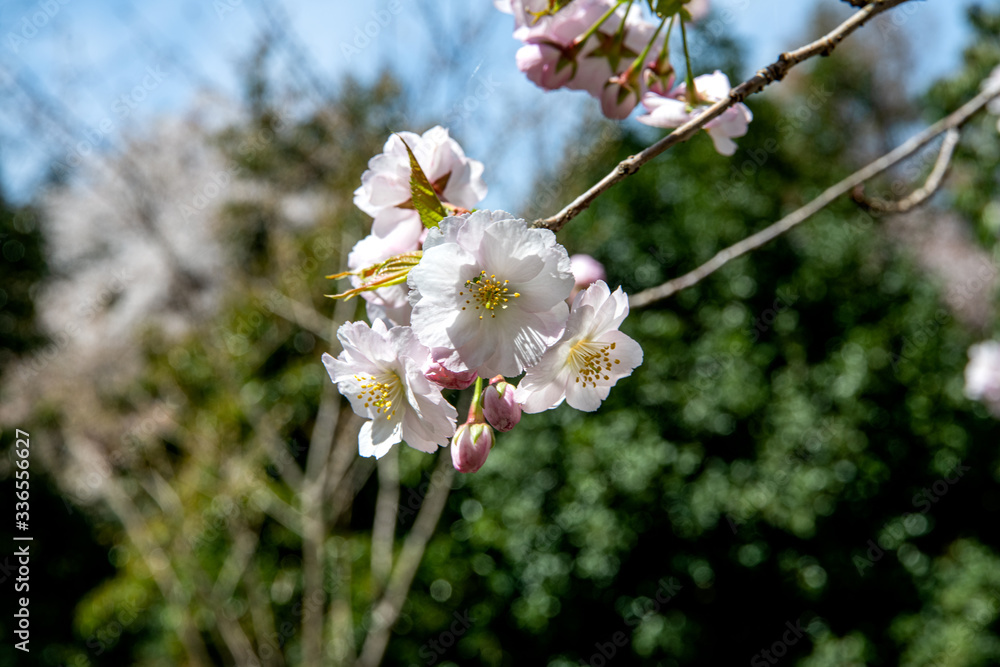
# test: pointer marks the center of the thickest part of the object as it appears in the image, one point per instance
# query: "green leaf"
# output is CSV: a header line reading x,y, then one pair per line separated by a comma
x,y
423,196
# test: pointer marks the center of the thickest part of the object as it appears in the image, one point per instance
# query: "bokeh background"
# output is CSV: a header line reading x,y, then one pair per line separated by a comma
x,y
792,476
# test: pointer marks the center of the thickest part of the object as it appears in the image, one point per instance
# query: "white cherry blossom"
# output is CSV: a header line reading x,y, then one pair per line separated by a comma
x,y
588,360
675,109
385,192
380,373
491,289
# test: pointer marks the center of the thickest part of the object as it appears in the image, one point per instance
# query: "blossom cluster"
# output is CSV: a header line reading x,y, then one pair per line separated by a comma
x,y
608,49
478,296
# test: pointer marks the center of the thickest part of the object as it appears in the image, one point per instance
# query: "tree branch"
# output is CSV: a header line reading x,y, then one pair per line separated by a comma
x,y
386,611
384,527
776,71
952,121
922,194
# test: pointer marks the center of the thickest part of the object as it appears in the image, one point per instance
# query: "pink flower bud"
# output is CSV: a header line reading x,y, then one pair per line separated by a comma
x,y
586,270
439,370
658,76
619,97
470,446
499,406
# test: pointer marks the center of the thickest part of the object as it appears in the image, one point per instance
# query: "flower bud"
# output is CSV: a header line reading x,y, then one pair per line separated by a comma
x,y
499,406
586,270
658,76
470,446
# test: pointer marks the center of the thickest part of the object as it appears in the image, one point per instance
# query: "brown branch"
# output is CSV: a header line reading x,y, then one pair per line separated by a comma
x,y
954,120
923,193
387,609
776,71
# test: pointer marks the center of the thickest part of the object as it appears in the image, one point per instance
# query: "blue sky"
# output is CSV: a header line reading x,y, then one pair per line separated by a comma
x,y
83,56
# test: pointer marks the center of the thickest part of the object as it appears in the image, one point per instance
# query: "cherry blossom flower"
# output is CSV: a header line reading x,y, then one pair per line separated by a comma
x,y
562,50
385,186
588,360
379,371
675,109
552,50
491,289
982,375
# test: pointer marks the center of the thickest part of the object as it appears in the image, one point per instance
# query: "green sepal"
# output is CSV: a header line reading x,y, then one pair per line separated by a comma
x,y
392,271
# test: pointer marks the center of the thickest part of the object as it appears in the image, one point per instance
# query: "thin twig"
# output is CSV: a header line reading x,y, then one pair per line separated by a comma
x,y
954,120
314,511
776,71
301,314
386,611
384,526
924,192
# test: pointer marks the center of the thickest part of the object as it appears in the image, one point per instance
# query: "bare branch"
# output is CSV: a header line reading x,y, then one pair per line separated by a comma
x,y
301,314
384,527
776,71
922,194
954,120
386,611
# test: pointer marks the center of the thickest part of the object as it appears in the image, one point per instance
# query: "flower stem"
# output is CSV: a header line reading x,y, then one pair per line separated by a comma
x,y
594,28
638,62
692,92
476,407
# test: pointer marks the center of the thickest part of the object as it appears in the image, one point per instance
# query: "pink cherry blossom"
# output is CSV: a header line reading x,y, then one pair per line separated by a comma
x,y
675,109
491,289
385,186
380,372
588,360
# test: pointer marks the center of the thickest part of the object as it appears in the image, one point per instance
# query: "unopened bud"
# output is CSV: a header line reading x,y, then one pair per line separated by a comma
x,y
470,446
658,76
499,406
